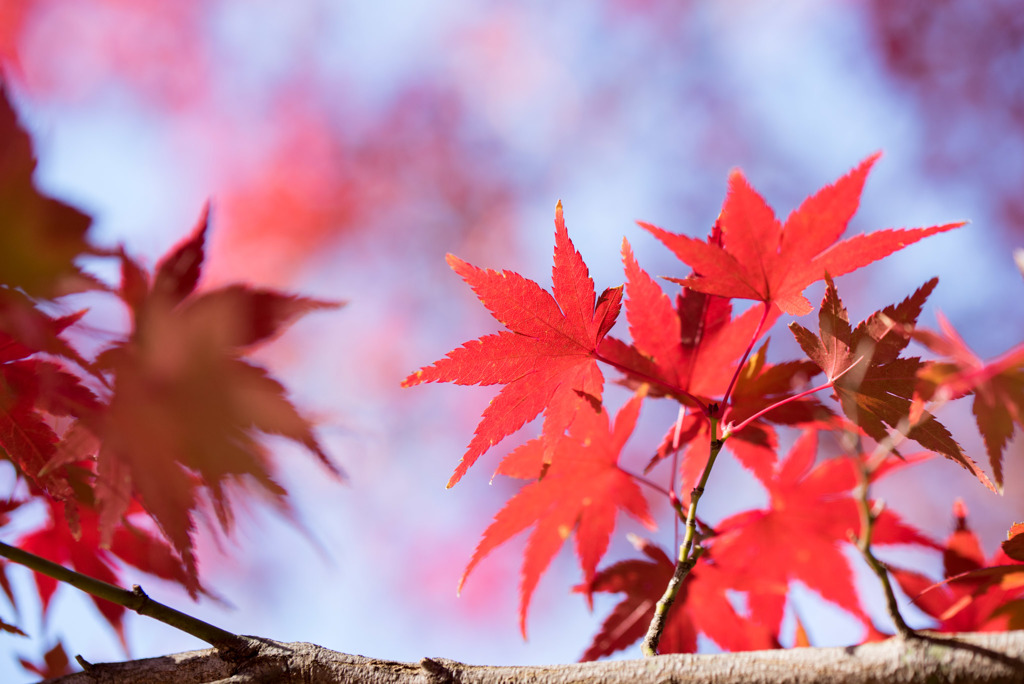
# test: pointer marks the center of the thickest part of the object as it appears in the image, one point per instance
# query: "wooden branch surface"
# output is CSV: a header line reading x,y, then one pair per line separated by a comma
x,y
990,657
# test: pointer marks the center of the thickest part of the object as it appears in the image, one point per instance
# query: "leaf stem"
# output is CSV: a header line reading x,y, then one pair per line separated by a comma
x,y
788,399
777,404
689,552
136,599
676,432
868,518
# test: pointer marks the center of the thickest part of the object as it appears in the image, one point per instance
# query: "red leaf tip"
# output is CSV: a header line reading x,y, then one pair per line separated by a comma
x,y
959,509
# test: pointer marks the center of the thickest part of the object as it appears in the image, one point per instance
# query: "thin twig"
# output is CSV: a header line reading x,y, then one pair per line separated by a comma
x,y
689,553
868,517
136,599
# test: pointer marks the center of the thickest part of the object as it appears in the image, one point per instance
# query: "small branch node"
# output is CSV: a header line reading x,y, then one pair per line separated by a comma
x,y
141,599
437,671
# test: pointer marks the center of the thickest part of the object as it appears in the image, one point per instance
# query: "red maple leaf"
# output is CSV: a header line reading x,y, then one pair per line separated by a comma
x,y
187,409
978,595
32,393
802,534
583,489
998,387
874,385
764,260
25,330
702,606
547,357
687,351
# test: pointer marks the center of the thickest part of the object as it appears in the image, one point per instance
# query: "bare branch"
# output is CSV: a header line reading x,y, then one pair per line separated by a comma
x,y
993,658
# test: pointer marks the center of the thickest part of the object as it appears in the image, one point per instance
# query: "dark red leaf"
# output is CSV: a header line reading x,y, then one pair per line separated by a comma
x,y
875,387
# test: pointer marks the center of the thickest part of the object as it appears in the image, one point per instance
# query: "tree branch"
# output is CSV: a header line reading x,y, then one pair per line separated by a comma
x,y
992,658
136,599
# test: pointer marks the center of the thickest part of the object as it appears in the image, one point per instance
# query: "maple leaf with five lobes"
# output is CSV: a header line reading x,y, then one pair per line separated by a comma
x,y
547,359
187,409
767,261
874,385
801,535
582,490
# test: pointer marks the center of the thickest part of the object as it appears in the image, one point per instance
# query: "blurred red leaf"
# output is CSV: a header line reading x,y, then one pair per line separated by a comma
x,y
85,553
186,407
11,629
998,387
55,663
177,274
42,237
1014,544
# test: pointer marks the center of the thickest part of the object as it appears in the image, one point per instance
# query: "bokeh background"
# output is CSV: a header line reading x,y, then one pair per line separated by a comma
x,y
346,147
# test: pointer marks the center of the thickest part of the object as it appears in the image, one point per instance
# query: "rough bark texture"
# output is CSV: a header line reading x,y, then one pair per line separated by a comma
x,y
992,657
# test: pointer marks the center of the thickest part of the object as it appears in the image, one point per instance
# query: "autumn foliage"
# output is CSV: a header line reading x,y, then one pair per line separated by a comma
x,y
873,405
128,447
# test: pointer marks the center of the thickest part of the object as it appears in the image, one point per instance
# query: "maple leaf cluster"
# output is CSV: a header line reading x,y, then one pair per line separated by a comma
x,y
690,347
123,450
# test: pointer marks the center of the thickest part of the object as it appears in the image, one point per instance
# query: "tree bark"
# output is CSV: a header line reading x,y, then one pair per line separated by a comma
x,y
989,657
